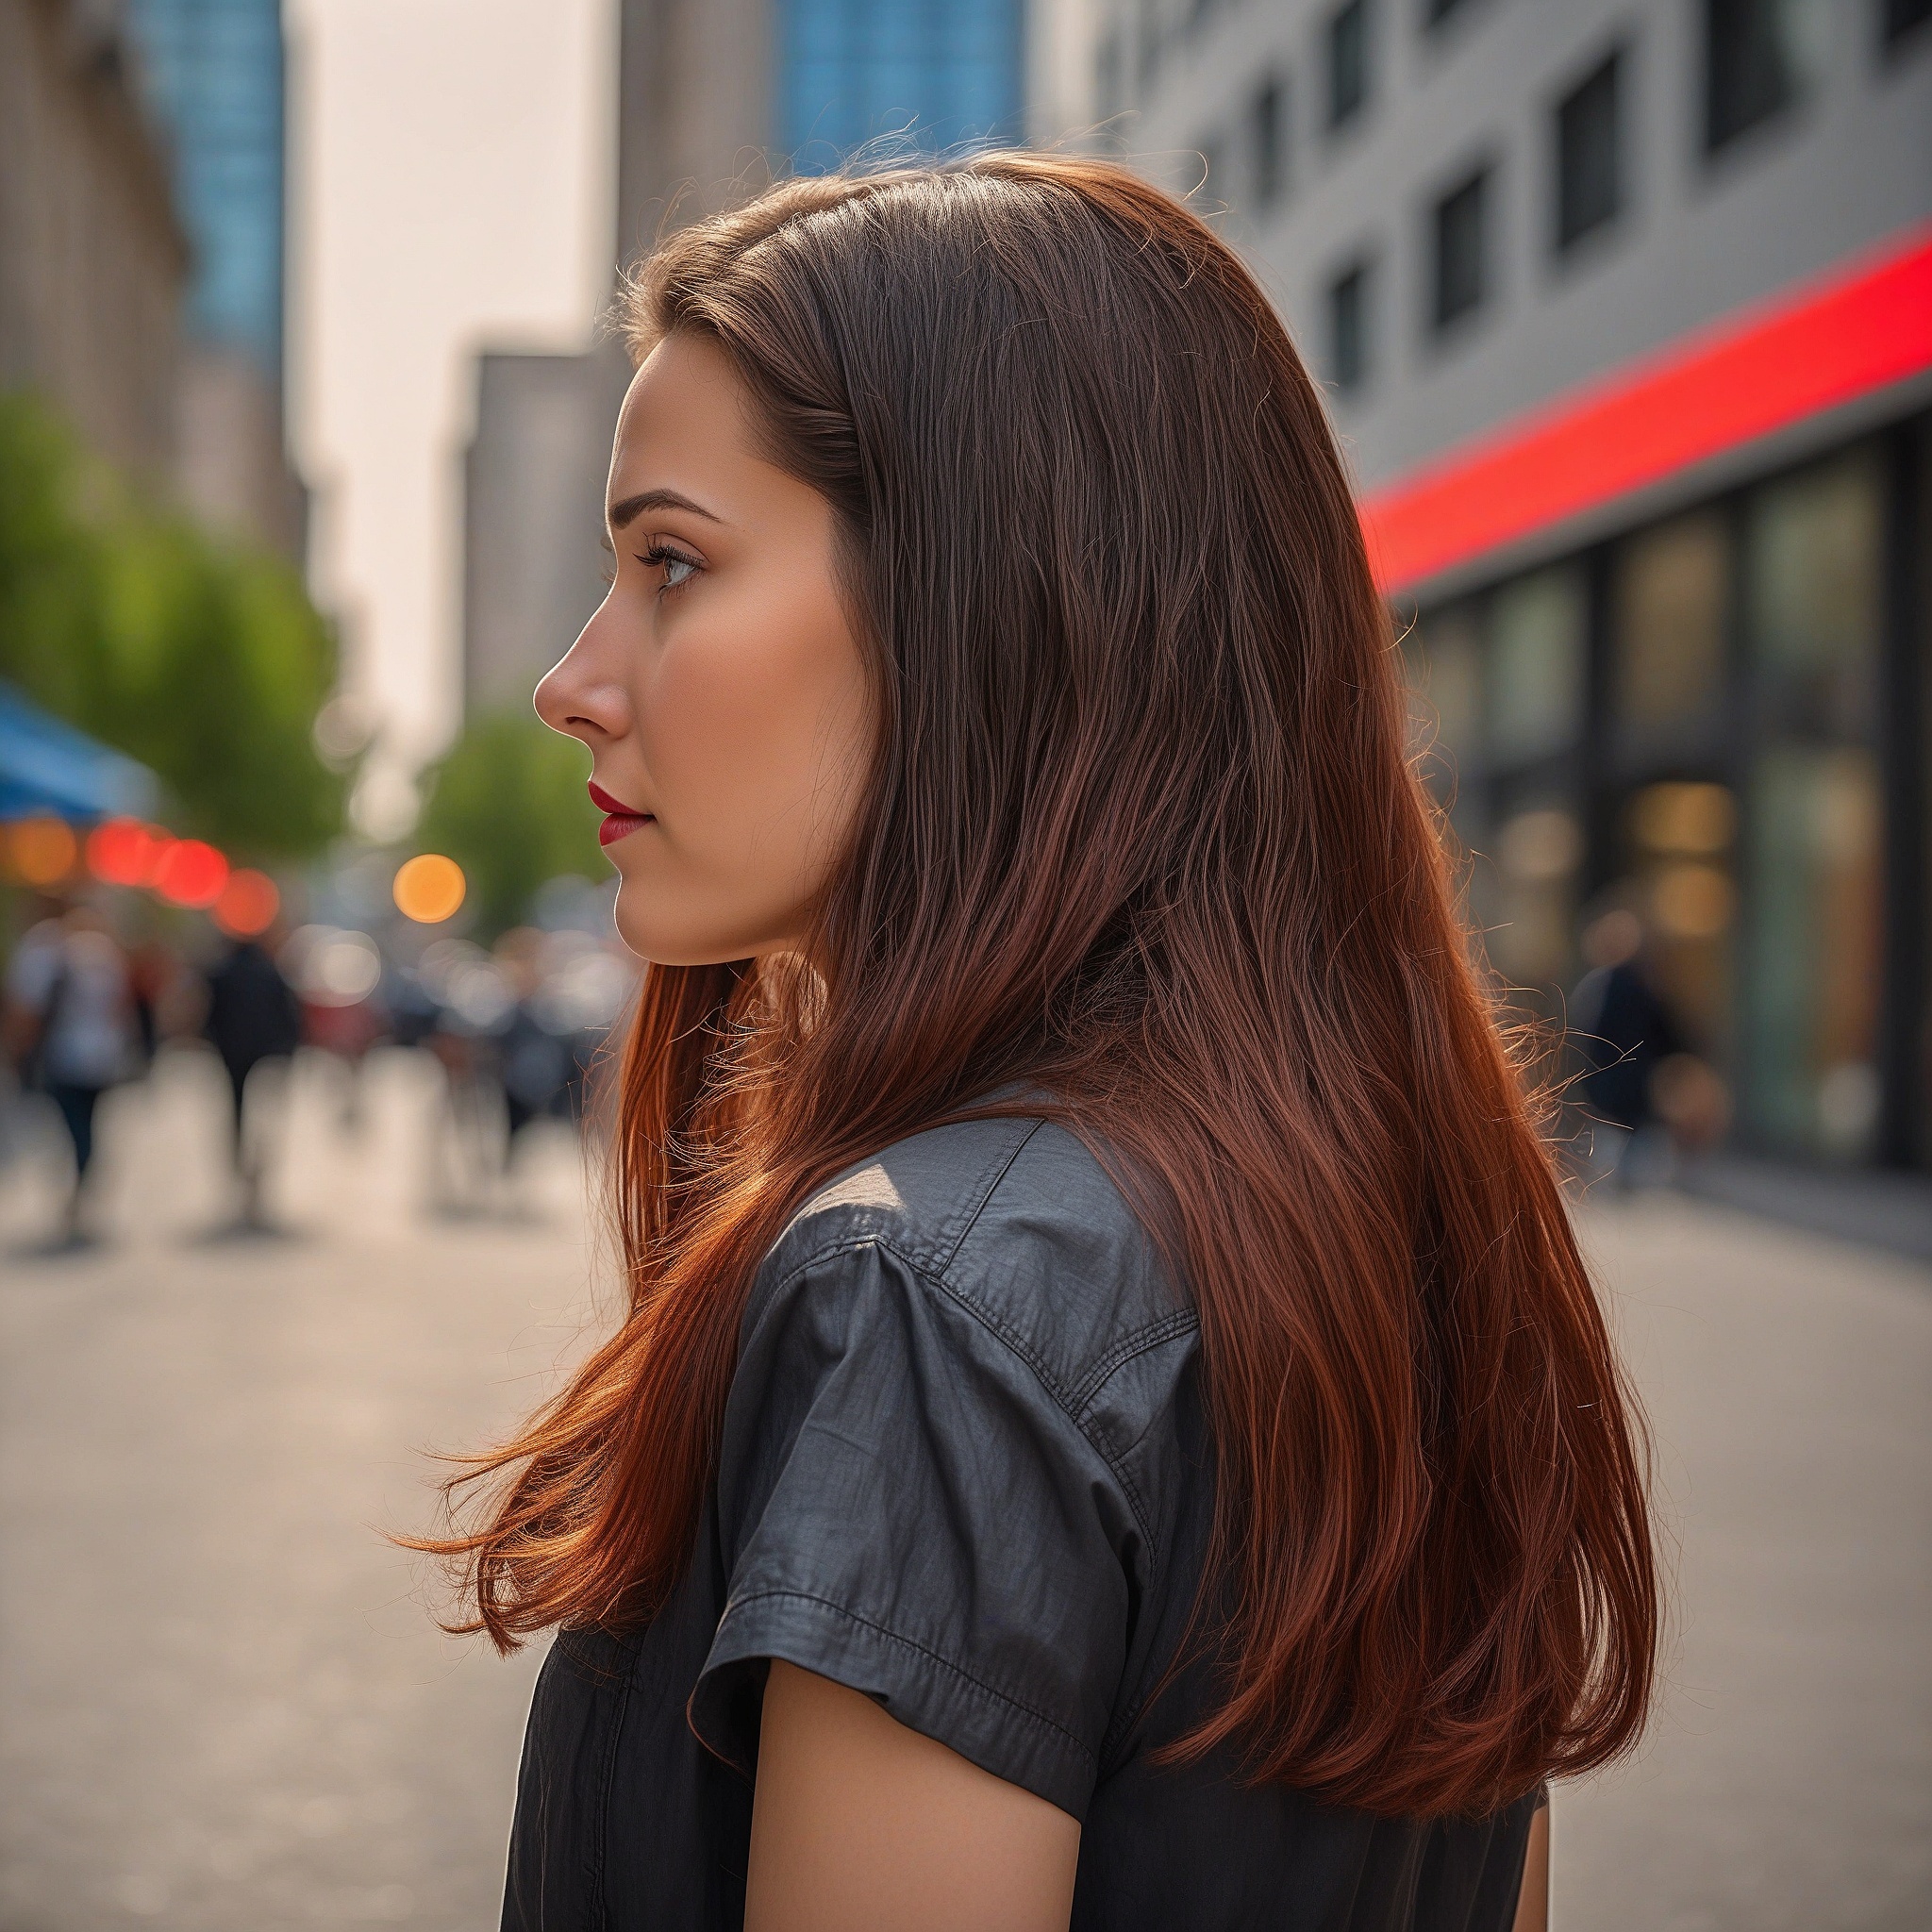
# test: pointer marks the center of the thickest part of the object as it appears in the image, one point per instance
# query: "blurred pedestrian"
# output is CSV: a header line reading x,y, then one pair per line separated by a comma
x,y
1622,1030
73,1030
254,1024
534,1064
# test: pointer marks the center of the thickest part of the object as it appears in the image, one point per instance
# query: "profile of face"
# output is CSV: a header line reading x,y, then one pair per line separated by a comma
x,y
719,685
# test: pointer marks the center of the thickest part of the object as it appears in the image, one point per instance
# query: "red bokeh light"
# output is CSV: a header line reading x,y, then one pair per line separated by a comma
x,y
248,904
124,852
190,874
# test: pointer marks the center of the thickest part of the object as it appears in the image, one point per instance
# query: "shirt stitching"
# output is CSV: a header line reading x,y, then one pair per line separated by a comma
x,y
1062,1397
946,1663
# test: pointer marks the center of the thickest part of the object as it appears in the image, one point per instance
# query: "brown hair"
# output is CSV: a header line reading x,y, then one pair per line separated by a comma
x,y
1140,833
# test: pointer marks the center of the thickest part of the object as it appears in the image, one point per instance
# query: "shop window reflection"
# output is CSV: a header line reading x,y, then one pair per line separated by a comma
x,y
1539,858
1537,666
1681,838
1813,882
1668,684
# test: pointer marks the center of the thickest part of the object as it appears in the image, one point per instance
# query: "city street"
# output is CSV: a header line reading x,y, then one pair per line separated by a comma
x,y
224,1705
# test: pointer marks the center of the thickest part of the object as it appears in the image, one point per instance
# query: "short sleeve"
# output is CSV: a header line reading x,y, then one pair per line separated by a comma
x,y
905,1507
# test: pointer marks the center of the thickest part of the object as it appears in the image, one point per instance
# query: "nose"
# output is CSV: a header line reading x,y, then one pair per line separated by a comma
x,y
581,696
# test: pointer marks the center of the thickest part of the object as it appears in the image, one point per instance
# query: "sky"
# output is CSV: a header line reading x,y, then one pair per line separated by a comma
x,y
450,187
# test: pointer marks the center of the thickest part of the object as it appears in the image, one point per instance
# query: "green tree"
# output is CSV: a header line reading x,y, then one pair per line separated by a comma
x,y
204,660
508,805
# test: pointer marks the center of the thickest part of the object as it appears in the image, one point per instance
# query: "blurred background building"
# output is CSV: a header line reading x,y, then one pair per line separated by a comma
x,y
94,256
1623,308
214,81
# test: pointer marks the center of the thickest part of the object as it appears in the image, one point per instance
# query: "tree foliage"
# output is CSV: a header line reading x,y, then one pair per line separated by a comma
x,y
203,659
508,805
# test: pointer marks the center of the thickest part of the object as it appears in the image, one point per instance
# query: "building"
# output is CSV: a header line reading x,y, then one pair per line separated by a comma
x,y
715,98
1624,312
533,512
928,73
93,259
215,74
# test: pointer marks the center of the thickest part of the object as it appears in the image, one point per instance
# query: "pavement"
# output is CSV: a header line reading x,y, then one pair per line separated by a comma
x,y
224,1704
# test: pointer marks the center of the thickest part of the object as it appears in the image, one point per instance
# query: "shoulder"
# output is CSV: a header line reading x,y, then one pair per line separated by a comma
x,y
1013,1224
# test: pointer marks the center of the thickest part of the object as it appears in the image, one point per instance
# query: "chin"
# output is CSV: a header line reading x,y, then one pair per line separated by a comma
x,y
643,927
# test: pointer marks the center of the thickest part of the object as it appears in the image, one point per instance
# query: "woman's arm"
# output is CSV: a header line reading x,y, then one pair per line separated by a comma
x,y
1533,1901
860,1824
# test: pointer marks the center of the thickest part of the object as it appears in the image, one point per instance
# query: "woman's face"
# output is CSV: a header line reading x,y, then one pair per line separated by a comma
x,y
719,685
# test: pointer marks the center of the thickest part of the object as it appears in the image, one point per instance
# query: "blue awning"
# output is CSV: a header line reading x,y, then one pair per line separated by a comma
x,y
47,766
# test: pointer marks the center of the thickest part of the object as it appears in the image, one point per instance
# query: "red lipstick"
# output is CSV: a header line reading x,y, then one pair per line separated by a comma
x,y
620,820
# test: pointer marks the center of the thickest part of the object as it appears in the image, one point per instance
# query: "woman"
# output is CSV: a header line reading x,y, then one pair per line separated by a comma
x,y
1112,1427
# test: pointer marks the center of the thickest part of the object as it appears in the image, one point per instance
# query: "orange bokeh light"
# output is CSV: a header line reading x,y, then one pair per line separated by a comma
x,y
124,852
429,889
190,874
43,851
248,904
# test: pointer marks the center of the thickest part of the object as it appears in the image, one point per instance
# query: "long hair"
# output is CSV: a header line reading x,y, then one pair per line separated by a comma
x,y
1140,834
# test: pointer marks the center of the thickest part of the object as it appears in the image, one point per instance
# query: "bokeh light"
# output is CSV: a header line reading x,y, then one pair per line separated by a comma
x,y
124,852
190,872
429,889
332,966
42,850
248,905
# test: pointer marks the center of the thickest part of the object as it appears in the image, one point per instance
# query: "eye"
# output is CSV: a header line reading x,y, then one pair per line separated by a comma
x,y
678,569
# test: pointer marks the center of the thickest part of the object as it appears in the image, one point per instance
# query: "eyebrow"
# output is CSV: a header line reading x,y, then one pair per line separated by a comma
x,y
631,507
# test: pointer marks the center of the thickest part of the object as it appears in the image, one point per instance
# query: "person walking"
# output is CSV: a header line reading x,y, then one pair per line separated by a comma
x,y
1623,1031
75,1031
254,1024
1111,1428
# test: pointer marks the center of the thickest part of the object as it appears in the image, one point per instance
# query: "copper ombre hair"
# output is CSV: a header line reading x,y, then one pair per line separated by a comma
x,y
1140,835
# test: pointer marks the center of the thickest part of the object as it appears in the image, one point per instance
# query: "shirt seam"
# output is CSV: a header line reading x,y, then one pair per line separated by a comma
x,y
925,1651
1061,1396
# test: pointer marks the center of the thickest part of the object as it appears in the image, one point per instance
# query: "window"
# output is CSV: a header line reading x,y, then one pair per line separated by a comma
x,y
1750,66
1348,62
1456,287
1813,864
1902,17
1589,187
1349,345
1268,132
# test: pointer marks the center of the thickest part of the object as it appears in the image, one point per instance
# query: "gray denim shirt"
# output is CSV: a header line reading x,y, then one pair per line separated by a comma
x,y
964,1469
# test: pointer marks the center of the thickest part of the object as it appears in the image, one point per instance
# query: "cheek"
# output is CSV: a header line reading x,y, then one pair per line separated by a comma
x,y
748,718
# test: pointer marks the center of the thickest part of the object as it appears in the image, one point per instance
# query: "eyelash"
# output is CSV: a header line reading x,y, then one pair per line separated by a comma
x,y
661,556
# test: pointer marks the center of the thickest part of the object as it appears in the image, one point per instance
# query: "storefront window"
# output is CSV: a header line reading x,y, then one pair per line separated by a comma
x,y
1681,838
1668,685
1537,627
1538,857
1813,881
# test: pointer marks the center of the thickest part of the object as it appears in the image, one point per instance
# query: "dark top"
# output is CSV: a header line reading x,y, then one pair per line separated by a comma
x,y
253,1013
964,1469
1623,1028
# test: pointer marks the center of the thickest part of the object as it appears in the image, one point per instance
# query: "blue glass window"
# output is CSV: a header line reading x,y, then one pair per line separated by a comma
x,y
215,74
934,73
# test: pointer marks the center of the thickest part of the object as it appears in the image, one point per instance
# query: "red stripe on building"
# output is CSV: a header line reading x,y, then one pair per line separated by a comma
x,y
1837,339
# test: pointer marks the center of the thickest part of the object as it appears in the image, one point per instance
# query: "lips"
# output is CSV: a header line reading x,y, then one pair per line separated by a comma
x,y
620,820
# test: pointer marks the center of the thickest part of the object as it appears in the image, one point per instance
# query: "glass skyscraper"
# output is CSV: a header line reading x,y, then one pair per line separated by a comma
x,y
215,71
933,74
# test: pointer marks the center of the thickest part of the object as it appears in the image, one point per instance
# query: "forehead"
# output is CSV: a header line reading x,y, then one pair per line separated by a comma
x,y
685,400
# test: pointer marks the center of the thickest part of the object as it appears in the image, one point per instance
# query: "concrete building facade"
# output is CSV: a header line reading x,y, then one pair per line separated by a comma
x,y
1623,308
93,259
